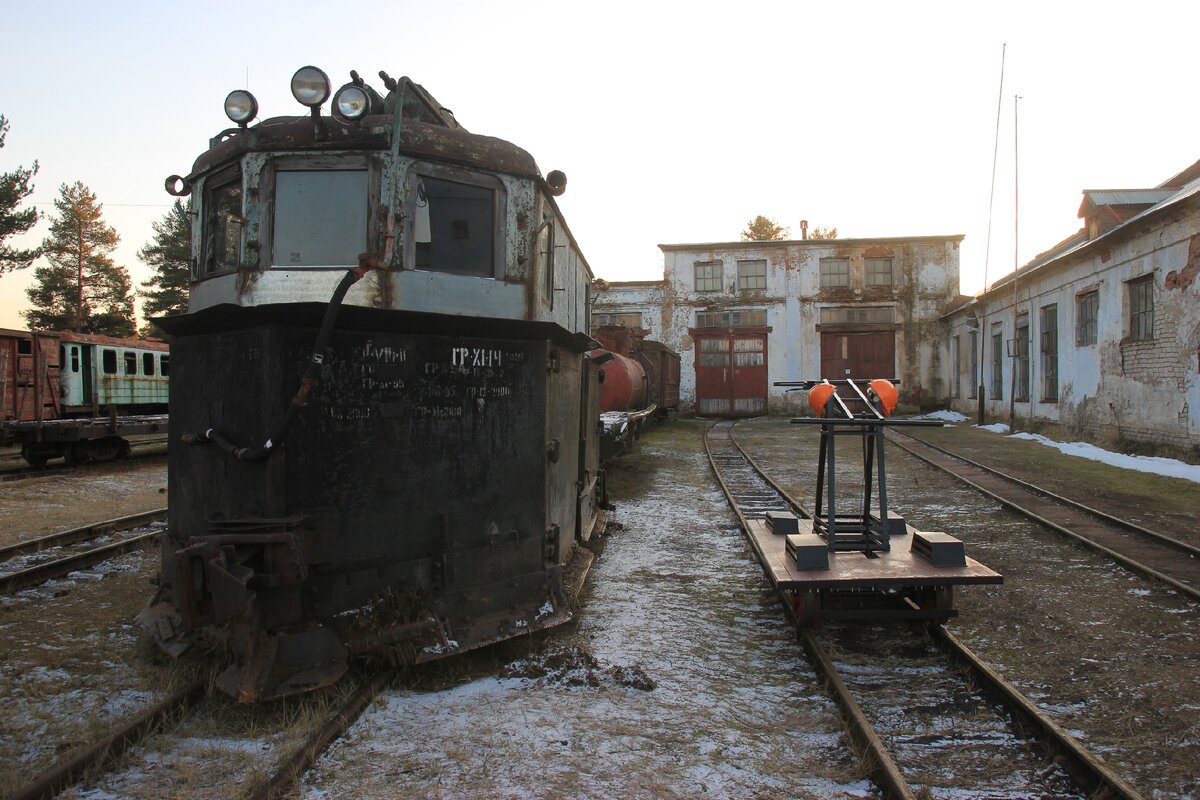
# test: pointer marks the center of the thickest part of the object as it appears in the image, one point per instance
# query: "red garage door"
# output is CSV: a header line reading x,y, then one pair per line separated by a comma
x,y
731,374
866,355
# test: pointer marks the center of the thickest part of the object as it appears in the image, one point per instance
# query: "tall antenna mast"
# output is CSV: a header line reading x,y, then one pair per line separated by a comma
x,y
987,252
1017,345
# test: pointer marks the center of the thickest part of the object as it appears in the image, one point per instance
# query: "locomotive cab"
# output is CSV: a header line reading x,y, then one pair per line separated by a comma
x,y
383,432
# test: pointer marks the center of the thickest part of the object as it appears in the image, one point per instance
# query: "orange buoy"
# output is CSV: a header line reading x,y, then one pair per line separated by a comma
x,y
887,394
818,396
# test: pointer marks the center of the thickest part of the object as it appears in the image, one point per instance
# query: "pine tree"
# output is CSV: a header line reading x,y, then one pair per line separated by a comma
x,y
170,254
762,229
15,187
81,289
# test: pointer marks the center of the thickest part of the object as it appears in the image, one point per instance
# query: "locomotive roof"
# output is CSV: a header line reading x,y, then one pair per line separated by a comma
x,y
421,139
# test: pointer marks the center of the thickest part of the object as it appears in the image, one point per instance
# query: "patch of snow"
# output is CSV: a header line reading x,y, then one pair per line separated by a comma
x,y
1138,592
1168,467
945,415
995,427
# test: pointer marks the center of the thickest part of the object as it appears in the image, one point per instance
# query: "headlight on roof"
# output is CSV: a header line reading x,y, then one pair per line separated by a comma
x,y
310,86
351,102
241,107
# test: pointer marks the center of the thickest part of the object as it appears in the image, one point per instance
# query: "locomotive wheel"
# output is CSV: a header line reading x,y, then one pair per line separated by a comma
x,y
36,455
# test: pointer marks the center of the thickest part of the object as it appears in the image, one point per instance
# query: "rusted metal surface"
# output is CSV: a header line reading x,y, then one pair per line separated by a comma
x,y
111,747
425,508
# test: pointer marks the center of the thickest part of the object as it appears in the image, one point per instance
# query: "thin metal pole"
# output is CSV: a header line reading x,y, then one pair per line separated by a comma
x,y
987,253
1016,349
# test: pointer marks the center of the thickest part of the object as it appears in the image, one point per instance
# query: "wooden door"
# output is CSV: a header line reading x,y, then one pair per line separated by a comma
x,y
866,355
731,374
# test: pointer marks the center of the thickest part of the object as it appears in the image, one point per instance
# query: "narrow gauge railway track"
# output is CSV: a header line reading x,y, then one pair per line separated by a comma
x,y
749,492
1149,553
102,755
57,567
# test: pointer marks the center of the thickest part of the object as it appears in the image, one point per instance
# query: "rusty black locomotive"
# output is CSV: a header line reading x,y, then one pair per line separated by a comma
x,y
384,415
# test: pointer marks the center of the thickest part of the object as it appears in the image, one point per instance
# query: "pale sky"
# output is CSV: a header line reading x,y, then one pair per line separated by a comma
x,y
674,121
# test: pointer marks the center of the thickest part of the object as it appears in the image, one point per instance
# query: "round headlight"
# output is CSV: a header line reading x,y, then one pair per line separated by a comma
x,y
241,107
351,102
310,86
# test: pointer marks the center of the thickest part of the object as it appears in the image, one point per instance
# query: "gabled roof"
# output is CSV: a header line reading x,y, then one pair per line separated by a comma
x,y
1095,198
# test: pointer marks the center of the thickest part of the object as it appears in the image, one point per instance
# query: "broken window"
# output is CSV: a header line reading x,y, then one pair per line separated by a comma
x,y
320,217
835,272
997,361
455,224
108,361
624,319
130,360
148,364
731,319
223,222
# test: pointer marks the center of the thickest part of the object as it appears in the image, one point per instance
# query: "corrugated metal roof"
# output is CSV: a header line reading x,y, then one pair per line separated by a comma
x,y
1125,197
1073,244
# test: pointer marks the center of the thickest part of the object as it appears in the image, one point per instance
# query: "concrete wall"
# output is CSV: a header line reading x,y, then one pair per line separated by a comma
x,y
1118,387
925,273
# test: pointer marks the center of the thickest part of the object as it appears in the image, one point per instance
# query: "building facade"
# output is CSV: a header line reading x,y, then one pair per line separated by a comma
x,y
745,315
1101,334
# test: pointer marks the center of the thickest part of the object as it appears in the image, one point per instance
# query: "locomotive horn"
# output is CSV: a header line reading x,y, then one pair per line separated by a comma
x,y
557,181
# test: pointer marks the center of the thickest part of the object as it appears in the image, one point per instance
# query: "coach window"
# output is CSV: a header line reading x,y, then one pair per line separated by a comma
x,y
455,221
164,365
223,222
74,358
108,361
321,215
148,364
25,347
130,363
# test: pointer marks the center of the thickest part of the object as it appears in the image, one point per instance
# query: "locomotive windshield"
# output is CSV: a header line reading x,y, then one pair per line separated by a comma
x,y
223,223
454,226
320,218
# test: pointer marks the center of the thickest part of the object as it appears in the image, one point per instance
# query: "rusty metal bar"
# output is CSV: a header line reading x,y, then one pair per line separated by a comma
x,y
281,782
83,533
56,569
107,749
1089,772
871,751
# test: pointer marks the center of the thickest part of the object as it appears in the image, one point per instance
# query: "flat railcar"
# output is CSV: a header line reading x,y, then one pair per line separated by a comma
x,y
384,414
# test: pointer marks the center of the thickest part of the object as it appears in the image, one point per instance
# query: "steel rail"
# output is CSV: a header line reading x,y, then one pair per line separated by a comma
x,y
868,745
1121,558
290,771
103,752
41,573
82,533
1089,772
1101,515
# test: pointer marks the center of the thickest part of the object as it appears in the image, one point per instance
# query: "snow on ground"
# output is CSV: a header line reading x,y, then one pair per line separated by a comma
x,y
1169,467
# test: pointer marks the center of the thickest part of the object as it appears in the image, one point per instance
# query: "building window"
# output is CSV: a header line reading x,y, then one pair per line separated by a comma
x,y
731,319
708,276
1141,309
997,361
1087,308
955,367
752,276
879,271
835,272
1049,353
624,319
973,376
865,315
1020,353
